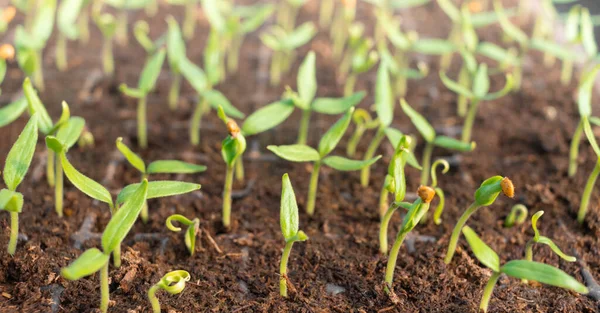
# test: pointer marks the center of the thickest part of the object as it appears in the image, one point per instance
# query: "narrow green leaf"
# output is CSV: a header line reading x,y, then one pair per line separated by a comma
x,y
133,159
455,87
151,71
295,153
584,100
587,33
300,36
433,46
384,100
483,19
450,9
11,112
194,75
42,26
589,134
509,28
88,263
214,15
331,138
419,121
542,273
68,11
547,241
84,183
174,167
552,48
343,164
11,201
215,98
257,18
486,255
307,79
489,190
454,144
20,154
498,53
481,81
335,106
53,144
175,44
131,92
289,209
158,189
508,87
69,132
36,106
268,117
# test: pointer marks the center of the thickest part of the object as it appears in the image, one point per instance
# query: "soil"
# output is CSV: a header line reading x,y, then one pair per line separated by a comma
x,y
524,136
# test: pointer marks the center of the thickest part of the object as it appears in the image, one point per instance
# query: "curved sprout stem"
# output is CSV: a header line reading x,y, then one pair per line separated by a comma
x,y
457,229
587,192
392,259
517,215
487,292
227,197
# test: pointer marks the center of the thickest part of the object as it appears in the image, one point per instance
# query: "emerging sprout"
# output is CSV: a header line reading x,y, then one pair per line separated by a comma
x,y
175,57
287,12
190,233
289,229
339,30
189,19
173,283
485,195
108,27
146,83
326,9
363,122
15,168
66,18
358,58
522,269
437,214
517,215
303,153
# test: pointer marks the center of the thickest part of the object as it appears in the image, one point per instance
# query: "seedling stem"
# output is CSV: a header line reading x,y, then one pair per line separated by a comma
x,y
587,192
283,268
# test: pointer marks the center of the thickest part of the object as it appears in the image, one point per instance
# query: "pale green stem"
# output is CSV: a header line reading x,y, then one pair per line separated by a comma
x,y
528,254
275,70
587,192
50,157
349,85
567,72
487,292
174,90
58,189
517,76
104,293
446,59
83,26
312,189
426,163
574,150
153,299
383,229
233,57
189,20
121,32
108,62
283,269
470,120
464,79
239,169
196,121
457,229
144,212
14,233
383,201
117,256
61,52
437,215
365,173
152,8
354,140
391,263
141,123
326,12
38,74
303,131
227,197
401,86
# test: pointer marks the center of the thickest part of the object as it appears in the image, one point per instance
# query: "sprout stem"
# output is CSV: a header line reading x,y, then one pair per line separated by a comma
x,y
61,52
233,57
141,123
304,123
58,189
349,85
227,197
104,296
587,192
391,264
196,121
326,12
174,90
283,269
108,62
464,79
153,299
437,215
426,163
14,232
567,72
383,229
470,120
121,31
355,139
487,291
275,70
83,27
366,171
189,20
152,8
574,150
453,37
528,254
383,199
312,189
457,229
239,169
50,157
38,74
117,256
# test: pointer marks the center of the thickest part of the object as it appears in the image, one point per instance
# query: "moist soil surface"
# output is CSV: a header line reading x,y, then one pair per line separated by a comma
x,y
524,136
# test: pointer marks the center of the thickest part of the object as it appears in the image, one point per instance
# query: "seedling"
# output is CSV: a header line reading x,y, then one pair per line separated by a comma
x,y
146,83
173,283
579,30
485,195
289,222
358,58
362,122
15,168
284,43
122,7
108,27
340,25
94,260
141,32
517,216
416,211
156,167
437,214
189,18
522,269
326,9
303,153
66,20
432,140
287,12
175,56
190,233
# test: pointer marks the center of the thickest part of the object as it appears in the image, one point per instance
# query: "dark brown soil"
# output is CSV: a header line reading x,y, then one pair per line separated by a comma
x,y
517,136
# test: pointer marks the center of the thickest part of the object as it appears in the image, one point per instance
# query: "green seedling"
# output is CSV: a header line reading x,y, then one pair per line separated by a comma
x,y
579,30
7,14
326,9
15,168
477,93
304,153
416,211
432,140
437,214
517,216
189,18
287,13
232,149
485,195
358,58
122,7
146,83
175,55
66,19
108,27
193,227
522,269
362,122
156,167
141,32
284,43
173,283
289,223
94,260
339,30
31,41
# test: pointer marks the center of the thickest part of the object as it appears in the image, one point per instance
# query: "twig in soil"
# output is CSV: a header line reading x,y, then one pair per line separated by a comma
x,y
85,231
56,291
211,240
238,194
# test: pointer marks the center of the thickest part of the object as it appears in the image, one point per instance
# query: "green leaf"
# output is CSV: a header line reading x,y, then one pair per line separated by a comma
x,y
268,117
232,148
407,4
486,255
42,26
587,33
432,46
215,98
194,75
454,144
68,11
69,132
213,14
175,45
88,263
455,87
450,9
11,201
133,159
300,36
158,189
584,100
552,48
151,71
295,153
484,19
589,134
509,28
174,167
331,138
384,100
307,80
53,144
289,209
489,190
343,164
131,92
11,112
36,106
333,106
481,81
419,121
121,222
542,273
257,18
498,53
20,154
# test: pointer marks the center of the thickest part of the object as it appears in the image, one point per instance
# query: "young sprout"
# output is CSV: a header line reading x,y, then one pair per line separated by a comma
x,y
579,30
66,18
287,12
303,153
485,195
522,269
173,283
122,7
6,16
232,149
146,83
190,233
339,30
326,9
94,260
284,43
141,32
108,27
175,57
363,122
437,214
416,211
289,222
358,58
517,215
432,139
189,18
156,167
15,168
